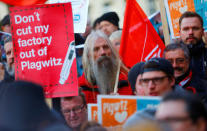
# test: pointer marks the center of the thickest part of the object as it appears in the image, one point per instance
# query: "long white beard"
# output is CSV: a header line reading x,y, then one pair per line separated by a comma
x,y
104,70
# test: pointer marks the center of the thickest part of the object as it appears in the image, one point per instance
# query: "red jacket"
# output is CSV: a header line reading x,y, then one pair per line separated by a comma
x,y
91,92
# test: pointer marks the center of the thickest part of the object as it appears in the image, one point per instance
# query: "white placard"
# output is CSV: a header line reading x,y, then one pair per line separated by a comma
x,y
80,13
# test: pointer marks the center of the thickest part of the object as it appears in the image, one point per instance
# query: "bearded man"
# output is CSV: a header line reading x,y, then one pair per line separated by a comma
x,y
191,33
100,64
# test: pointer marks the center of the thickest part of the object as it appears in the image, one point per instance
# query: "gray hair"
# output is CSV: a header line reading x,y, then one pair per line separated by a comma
x,y
116,35
88,58
175,46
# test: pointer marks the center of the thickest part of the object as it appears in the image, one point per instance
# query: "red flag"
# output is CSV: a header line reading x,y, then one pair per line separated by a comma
x,y
23,2
140,41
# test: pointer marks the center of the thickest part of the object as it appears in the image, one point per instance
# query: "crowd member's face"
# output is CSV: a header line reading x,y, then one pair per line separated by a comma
x,y
174,113
116,44
74,111
178,60
8,47
101,48
139,89
191,30
6,28
108,27
156,83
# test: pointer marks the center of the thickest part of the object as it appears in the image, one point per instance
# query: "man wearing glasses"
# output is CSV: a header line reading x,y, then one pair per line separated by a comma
x,y
157,77
74,110
183,112
179,56
153,78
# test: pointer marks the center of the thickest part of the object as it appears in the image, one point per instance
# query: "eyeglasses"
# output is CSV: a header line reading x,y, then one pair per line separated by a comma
x,y
156,80
177,61
76,109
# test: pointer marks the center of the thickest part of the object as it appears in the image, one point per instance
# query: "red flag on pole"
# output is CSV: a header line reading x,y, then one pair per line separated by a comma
x,y
140,41
23,2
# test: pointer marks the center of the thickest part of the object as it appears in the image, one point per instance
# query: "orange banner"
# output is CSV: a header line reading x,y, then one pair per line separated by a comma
x,y
113,111
175,8
92,112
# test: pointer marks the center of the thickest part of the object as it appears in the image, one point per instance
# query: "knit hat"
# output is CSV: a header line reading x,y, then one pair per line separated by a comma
x,y
133,74
5,20
159,64
111,17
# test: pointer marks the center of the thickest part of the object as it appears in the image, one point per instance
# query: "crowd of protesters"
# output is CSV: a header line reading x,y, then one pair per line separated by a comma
x,y
179,77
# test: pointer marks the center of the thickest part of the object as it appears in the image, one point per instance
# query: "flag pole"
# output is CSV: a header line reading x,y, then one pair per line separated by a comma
x,y
49,102
164,23
117,78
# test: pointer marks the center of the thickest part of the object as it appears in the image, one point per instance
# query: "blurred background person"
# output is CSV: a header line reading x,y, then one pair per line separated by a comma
x,y
183,112
9,67
115,39
96,24
92,126
23,108
6,32
74,110
109,22
5,24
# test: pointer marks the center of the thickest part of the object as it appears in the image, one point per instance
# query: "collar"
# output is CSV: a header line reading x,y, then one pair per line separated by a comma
x,y
184,79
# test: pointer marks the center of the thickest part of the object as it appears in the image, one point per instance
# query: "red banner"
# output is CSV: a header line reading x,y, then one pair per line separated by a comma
x,y
23,2
140,41
44,47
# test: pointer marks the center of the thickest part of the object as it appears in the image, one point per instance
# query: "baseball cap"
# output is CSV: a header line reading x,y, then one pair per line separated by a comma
x,y
159,64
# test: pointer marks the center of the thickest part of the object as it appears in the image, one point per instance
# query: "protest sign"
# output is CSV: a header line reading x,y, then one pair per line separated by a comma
x,y
23,2
80,13
174,9
92,112
155,19
113,111
44,49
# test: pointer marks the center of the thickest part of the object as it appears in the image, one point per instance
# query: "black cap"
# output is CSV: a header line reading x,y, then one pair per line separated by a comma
x,y
5,20
111,17
159,64
133,73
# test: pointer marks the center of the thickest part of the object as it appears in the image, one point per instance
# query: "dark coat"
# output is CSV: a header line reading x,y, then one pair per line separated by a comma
x,y
196,83
198,54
